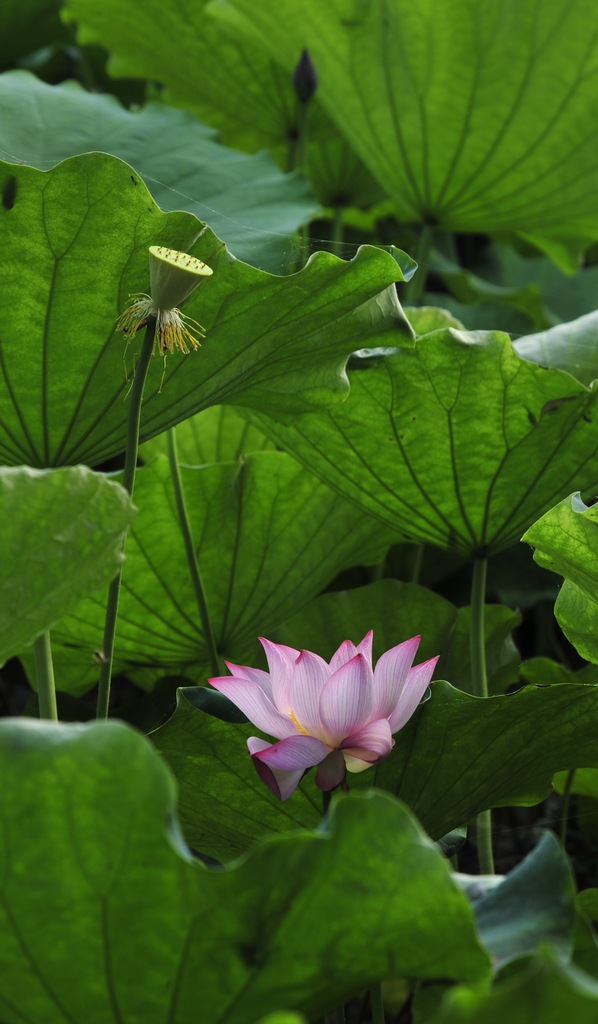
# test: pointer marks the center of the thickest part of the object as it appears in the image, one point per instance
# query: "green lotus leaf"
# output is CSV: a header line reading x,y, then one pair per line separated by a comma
x,y
532,907
269,537
451,149
565,540
245,93
457,756
62,536
572,347
111,918
466,443
413,88
544,991
397,611
74,243
219,434
246,199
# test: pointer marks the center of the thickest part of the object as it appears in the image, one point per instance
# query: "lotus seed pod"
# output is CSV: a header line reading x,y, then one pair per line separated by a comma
x,y
173,276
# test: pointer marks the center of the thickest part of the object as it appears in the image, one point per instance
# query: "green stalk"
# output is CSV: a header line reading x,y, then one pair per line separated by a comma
x,y
376,1004
477,650
301,150
192,561
145,355
296,162
414,288
44,673
298,145
418,561
566,805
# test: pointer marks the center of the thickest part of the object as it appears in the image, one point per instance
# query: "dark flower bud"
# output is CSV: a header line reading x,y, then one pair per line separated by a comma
x,y
305,78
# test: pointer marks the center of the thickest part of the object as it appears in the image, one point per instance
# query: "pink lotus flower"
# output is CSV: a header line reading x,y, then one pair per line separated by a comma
x,y
340,716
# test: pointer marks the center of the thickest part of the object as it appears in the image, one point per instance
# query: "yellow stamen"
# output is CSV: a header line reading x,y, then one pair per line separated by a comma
x,y
294,720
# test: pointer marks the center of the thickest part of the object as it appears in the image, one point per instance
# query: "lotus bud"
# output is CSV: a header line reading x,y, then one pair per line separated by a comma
x,y
305,78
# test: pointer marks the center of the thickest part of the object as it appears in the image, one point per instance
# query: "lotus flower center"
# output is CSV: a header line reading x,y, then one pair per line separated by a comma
x,y
296,723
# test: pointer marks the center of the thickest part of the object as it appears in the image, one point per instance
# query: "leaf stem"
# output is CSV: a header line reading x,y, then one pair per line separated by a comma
x,y
44,673
566,805
414,288
477,648
192,560
479,678
298,144
418,561
376,1004
132,447
297,158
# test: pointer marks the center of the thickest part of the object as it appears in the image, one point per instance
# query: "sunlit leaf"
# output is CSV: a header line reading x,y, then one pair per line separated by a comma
x,y
488,752
219,434
466,443
450,149
74,243
565,540
425,319
413,87
245,93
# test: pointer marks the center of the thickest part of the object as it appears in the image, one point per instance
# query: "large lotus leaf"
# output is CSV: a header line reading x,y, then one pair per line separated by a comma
x,y
337,175
545,992
397,611
507,143
489,752
572,346
61,537
269,537
565,540
532,909
474,117
111,919
534,905
466,443
246,199
219,434
74,243
203,66
244,92
457,756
